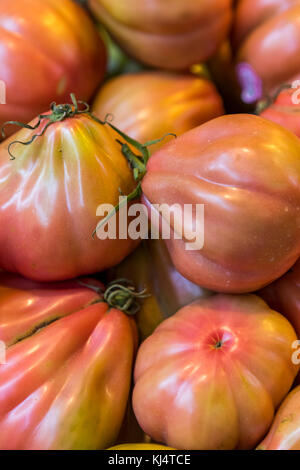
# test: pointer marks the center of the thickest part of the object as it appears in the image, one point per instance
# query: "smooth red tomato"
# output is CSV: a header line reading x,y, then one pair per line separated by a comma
x,y
285,111
164,35
48,49
267,42
150,267
62,384
213,374
245,170
285,431
49,195
149,105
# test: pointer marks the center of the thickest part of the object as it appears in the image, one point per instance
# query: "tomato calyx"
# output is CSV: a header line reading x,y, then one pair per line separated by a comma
x,y
120,294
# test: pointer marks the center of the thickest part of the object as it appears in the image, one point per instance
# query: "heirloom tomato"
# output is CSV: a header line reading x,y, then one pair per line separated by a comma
x,y
213,374
169,35
62,383
245,170
149,105
267,43
285,110
48,49
285,431
150,267
50,193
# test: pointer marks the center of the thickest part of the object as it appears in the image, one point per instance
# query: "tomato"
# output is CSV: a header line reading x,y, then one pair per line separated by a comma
x,y
284,295
263,34
140,447
213,374
164,35
284,111
62,384
150,267
49,49
149,105
285,431
245,170
49,195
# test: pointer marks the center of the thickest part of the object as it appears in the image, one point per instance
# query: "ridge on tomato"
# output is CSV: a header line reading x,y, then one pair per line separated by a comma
x,y
160,34
63,385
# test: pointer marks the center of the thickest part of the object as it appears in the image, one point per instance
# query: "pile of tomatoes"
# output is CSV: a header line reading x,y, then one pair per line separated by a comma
x,y
116,341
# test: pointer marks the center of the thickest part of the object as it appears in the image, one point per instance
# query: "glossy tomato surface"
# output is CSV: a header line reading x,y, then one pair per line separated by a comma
x,y
285,111
267,43
149,105
150,267
48,50
168,35
62,384
213,374
285,431
49,195
245,170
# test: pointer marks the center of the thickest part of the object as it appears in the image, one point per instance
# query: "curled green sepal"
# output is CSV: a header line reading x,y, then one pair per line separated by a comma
x,y
120,294
138,165
58,113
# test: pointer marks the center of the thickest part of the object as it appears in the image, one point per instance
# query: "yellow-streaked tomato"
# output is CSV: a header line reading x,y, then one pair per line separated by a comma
x,y
149,105
164,35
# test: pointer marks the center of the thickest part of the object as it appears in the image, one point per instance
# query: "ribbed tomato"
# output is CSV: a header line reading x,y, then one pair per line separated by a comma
x,y
48,50
50,192
62,384
285,431
149,105
213,374
166,35
245,170
267,42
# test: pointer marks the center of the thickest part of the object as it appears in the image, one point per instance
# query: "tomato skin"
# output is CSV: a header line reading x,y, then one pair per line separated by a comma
x,y
213,373
285,431
35,67
25,304
140,447
250,191
264,31
284,296
149,105
51,378
285,112
50,194
150,267
164,37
